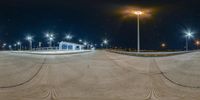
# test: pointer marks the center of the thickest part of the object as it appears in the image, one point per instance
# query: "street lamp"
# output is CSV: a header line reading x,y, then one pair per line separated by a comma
x,y
138,13
10,47
19,44
50,37
163,45
105,41
80,40
68,37
85,43
4,45
197,42
188,35
15,46
30,38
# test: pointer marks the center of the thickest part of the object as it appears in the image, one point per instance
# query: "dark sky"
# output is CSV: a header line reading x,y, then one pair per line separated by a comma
x,y
97,19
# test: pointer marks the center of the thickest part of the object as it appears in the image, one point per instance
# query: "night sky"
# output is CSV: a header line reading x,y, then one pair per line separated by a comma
x,y
98,19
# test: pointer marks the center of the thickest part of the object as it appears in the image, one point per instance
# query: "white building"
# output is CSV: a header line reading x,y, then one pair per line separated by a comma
x,y
70,46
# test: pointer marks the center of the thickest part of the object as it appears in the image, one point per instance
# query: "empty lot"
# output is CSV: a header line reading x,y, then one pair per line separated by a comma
x,y
99,75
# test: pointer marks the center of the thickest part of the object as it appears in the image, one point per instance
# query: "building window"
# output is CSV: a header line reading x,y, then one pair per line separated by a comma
x,y
70,47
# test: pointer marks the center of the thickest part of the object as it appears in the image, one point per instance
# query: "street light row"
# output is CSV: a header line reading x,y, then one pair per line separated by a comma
x,y
50,37
138,13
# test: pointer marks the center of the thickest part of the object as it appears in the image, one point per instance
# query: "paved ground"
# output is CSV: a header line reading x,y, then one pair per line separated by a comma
x,y
99,75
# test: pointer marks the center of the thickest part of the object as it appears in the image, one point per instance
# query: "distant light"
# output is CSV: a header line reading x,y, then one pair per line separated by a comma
x,y
18,43
4,44
102,44
50,36
163,45
197,42
80,40
15,45
68,37
105,41
29,38
47,35
85,43
10,46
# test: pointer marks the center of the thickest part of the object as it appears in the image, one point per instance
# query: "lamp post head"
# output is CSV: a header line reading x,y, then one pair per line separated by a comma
x,y
4,44
68,37
188,33
51,38
80,40
18,43
105,41
85,43
163,45
138,12
197,42
10,46
29,38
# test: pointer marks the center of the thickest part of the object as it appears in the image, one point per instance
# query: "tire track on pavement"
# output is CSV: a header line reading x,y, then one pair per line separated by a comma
x,y
31,78
172,81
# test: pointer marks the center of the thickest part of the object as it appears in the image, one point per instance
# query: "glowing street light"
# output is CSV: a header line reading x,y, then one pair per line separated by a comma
x,y
30,38
105,41
50,37
68,37
80,40
15,45
85,43
163,45
197,43
20,45
188,35
4,45
10,47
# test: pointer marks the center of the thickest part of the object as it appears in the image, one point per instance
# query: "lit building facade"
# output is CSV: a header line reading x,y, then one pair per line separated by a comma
x,y
70,46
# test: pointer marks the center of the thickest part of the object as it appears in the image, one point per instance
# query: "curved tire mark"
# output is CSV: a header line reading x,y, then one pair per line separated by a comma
x,y
172,81
19,84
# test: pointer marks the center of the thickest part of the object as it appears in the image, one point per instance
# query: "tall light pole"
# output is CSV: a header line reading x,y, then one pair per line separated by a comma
x,y
50,37
30,38
20,45
188,35
138,13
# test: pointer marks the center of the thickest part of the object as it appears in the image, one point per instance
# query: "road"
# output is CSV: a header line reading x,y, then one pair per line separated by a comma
x,y
99,75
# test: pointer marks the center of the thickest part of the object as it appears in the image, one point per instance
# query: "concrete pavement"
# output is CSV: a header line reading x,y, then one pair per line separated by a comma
x,y
99,75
